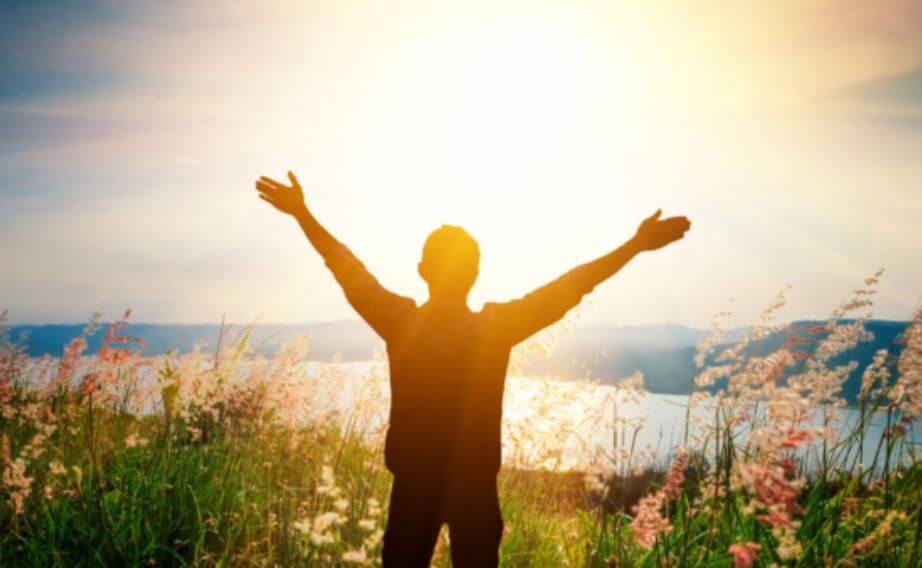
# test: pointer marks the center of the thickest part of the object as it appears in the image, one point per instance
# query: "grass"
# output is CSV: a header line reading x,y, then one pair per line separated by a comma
x,y
230,458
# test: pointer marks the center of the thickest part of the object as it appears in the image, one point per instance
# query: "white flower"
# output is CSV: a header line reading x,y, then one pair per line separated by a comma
x,y
356,556
374,539
326,520
341,505
320,539
303,527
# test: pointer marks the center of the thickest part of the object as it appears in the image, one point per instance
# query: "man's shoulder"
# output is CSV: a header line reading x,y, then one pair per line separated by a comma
x,y
501,308
404,305
490,309
494,314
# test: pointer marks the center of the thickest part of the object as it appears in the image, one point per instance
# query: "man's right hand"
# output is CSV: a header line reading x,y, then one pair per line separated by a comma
x,y
285,198
655,233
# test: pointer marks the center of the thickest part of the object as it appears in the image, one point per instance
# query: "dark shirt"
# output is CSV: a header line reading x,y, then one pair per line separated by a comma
x,y
448,367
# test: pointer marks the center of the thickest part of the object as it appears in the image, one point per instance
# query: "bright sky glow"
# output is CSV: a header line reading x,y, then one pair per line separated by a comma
x,y
131,134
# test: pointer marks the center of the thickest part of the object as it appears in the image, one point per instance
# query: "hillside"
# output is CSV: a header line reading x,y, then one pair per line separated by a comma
x,y
665,354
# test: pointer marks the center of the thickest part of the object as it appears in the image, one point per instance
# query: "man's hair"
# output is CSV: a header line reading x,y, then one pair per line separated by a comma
x,y
452,252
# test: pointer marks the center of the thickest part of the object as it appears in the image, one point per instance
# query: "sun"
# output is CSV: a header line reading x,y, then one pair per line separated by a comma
x,y
505,117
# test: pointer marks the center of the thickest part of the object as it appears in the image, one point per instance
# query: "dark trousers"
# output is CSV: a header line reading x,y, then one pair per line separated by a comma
x,y
419,506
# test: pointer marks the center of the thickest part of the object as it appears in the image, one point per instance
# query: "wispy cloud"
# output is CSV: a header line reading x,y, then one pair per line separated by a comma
x,y
896,96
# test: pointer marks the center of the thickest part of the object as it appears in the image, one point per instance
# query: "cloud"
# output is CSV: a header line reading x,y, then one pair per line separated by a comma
x,y
901,93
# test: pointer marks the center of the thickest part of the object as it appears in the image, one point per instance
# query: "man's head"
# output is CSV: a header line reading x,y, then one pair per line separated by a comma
x,y
450,262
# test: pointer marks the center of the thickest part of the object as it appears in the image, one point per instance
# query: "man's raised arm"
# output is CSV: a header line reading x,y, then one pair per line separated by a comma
x,y
521,318
377,305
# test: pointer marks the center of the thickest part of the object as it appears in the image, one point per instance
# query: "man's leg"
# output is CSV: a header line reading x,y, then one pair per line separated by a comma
x,y
475,523
413,524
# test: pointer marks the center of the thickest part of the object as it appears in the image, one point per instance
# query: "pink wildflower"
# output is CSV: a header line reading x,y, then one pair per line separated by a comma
x,y
70,359
676,476
648,520
772,492
89,384
794,437
744,555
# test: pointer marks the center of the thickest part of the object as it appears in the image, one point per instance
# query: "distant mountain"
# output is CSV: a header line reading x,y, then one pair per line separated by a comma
x,y
664,353
348,340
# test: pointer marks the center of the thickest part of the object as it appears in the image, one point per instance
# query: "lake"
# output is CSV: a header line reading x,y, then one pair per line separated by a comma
x,y
555,423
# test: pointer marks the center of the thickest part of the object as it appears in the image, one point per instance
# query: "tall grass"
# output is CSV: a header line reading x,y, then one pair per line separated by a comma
x,y
227,457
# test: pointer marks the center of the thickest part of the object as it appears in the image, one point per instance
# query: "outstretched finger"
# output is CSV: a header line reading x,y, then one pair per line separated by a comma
x,y
267,199
655,216
679,224
294,180
683,222
272,182
265,187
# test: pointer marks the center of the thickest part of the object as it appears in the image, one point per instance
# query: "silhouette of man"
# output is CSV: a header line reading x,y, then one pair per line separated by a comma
x,y
447,374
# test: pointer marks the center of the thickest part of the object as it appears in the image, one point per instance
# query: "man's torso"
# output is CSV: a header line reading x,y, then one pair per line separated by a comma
x,y
447,372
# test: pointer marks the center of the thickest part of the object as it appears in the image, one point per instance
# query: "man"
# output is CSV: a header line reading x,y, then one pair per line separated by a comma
x,y
447,373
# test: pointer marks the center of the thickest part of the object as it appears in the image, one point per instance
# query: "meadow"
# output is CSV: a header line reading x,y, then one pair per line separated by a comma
x,y
227,457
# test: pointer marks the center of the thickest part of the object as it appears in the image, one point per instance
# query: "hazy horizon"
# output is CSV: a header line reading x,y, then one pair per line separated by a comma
x,y
591,324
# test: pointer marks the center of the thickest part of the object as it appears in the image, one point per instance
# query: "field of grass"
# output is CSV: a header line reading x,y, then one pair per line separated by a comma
x,y
230,458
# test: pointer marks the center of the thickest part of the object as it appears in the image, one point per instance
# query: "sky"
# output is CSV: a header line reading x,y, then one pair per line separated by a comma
x,y
131,134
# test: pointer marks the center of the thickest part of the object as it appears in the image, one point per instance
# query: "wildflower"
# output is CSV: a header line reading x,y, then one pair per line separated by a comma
x,y
631,388
303,526
55,468
374,507
794,437
595,483
355,556
326,520
341,505
676,476
70,360
707,345
134,440
850,506
321,538
788,547
648,520
744,554
879,534
710,375
89,384
771,492
906,393
876,373
17,484
698,397
367,524
374,539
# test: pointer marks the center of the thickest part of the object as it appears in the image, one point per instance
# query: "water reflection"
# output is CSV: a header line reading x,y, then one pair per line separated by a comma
x,y
557,424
